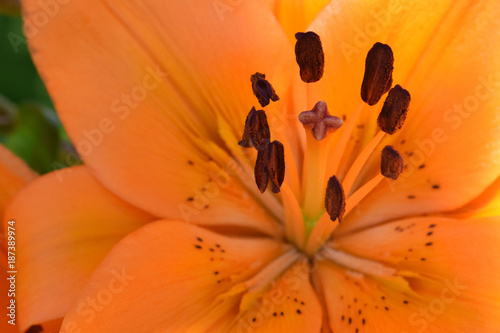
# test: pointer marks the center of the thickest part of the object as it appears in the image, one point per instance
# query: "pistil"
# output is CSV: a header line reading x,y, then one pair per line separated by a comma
x,y
318,123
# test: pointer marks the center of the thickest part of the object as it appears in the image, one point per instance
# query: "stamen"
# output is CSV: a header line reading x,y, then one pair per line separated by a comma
x,y
335,205
362,192
270,166
256,129
390,120
391,166
276,165
335,199
392,163
360,161
378,73
261,171
262,89
394,111
320,121
391,160
309,55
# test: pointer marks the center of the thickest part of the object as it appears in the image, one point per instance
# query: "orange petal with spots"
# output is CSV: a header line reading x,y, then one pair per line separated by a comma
x,y
449,69
186,276
290,305
166,71
357,303
450,267
63,231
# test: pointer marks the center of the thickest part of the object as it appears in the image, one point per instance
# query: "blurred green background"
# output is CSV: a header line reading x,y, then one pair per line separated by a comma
x,y
29,126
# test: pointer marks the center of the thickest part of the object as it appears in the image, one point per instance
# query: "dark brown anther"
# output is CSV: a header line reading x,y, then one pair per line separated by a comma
x,y
392,163
34,329
261,170
276,166
270,166
378,73
309,55
335,199
394,111
256,129
320,120
262,89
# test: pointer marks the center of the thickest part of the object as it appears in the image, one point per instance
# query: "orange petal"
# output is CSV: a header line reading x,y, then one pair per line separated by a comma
x,y
296,15
63,231
449,68
14,175
356,303
153,77
290,305
486,204
491,209
187,270
450,267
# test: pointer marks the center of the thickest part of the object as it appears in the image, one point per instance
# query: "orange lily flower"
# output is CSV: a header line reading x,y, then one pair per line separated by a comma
x,y
164,228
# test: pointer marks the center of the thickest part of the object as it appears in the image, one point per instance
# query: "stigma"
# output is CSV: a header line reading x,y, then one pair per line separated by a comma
x,y
320,121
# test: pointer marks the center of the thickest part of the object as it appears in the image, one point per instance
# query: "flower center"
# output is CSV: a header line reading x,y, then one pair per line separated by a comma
x,y
311,214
